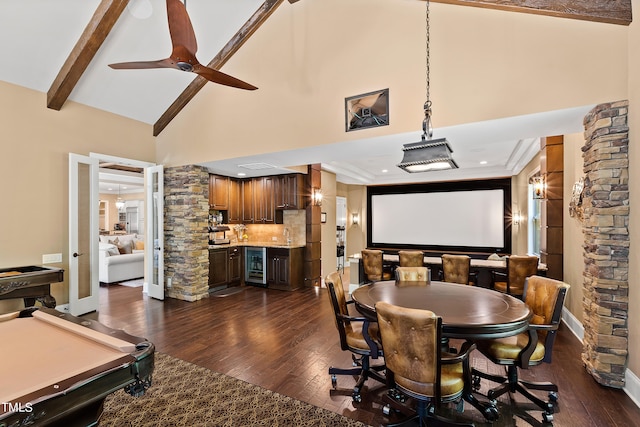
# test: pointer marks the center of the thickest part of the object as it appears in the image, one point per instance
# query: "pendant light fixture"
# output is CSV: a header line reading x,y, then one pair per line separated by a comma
x,y
119,201
428,154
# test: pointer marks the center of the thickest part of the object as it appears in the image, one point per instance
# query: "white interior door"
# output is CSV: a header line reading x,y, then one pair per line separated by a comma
x,y
154,234
83,232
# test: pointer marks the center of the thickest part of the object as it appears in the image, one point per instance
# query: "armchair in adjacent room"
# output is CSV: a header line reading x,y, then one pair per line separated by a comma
x,y
374,269
519,267
545,298
411,339
357,335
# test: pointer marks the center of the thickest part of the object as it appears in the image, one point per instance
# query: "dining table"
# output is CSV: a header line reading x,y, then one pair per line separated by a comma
x,y
468,312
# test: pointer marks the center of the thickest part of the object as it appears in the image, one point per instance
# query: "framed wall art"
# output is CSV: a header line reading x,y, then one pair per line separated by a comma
x,y
367,110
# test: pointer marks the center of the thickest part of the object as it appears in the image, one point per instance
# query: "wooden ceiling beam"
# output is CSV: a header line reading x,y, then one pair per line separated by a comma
x,y
232,46
92,37
607,11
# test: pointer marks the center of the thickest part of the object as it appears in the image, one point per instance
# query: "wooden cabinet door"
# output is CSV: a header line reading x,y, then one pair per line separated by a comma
x,y
235,266
235,202
288,190
280,191
218,192
263,200
218,267
247,201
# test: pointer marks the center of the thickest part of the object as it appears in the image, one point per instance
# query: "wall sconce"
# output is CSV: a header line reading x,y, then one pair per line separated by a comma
x,y
316,197
517,219
355,218
538,186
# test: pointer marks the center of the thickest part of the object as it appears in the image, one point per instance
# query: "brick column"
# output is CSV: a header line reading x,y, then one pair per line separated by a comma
x,y
606,242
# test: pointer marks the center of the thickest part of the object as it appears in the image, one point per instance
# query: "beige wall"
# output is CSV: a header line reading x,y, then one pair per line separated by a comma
x,y
485,64
34,166
634,193
520,205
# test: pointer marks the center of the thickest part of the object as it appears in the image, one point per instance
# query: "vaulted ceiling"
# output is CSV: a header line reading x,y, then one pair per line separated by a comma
x,y
63,47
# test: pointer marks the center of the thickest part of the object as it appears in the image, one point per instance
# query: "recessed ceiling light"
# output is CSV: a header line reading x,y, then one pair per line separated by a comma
x,y
484,162
384,171
242,174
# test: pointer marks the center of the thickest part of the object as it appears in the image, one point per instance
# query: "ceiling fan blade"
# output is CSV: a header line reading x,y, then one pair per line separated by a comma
x,y
138,65
180,26
219,77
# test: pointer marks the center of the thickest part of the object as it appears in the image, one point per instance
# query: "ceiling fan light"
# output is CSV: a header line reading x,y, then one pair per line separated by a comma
x,y
427,155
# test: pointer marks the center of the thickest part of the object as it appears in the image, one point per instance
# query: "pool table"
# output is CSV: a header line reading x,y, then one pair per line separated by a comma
x,y
30,282
57,369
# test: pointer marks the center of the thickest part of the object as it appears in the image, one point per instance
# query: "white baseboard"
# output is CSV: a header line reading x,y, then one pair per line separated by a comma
x,y
631,381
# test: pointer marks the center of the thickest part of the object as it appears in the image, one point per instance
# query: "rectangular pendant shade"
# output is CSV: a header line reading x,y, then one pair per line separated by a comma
x,y
427,155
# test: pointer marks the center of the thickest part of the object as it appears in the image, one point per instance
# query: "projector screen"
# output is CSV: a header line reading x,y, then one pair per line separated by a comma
x,y
470,219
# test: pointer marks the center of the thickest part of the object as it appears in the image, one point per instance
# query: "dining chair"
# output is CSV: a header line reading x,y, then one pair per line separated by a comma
x,y
411,258
545,298
411,339
518,268
372,263
456,269
357,335
412,274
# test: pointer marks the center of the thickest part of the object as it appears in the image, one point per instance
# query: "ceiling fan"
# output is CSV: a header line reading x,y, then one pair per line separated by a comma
x,y
183,55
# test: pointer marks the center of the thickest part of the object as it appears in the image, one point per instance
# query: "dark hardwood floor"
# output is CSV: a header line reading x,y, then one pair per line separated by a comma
x,y
286,341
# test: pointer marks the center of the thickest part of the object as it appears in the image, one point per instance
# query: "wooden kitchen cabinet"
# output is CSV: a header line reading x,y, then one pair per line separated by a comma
x,y
235,202
218,192
285,268
263,200
218,267
246,189
288,191
235,266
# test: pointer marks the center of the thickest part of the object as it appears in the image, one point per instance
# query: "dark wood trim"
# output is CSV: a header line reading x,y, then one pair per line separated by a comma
x,y
232,46
83,52
607,11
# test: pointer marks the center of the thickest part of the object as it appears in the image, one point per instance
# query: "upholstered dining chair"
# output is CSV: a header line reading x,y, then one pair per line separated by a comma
x,y
545,298
357,335
519,267
411,258
456,269
411,339
412,274
374,270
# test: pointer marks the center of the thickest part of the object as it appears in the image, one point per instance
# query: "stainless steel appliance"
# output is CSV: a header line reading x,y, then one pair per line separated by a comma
x,y
255,266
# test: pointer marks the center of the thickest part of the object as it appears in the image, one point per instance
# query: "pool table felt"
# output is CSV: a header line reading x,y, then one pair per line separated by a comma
x,y
43,350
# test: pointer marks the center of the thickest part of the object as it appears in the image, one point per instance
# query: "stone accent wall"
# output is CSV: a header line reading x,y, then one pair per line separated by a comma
x,y
606,242
186,214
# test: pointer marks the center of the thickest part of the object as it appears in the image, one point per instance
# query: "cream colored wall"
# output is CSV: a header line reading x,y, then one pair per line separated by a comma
x,y
520,205
356,233
34,166
573,237
328,229
634,193
485,64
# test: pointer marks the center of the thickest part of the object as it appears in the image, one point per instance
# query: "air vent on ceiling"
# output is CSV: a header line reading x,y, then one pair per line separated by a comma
x,y
257,166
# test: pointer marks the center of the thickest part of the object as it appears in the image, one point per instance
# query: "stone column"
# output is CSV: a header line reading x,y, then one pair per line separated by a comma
x,y
606,242
186,237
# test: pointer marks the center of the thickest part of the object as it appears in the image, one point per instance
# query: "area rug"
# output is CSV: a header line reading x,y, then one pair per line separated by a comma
x,y
135,283
184,394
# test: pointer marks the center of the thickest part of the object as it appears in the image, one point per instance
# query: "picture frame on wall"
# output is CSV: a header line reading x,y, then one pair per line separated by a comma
x,y
367,110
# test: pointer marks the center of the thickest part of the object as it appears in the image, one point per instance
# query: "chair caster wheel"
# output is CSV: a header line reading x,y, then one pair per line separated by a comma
x,y
334,381
491,413
386,409
357,398
553,396
547,418
475,382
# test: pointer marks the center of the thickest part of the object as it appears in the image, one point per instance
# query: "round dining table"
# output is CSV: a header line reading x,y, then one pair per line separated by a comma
x,y
468,312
